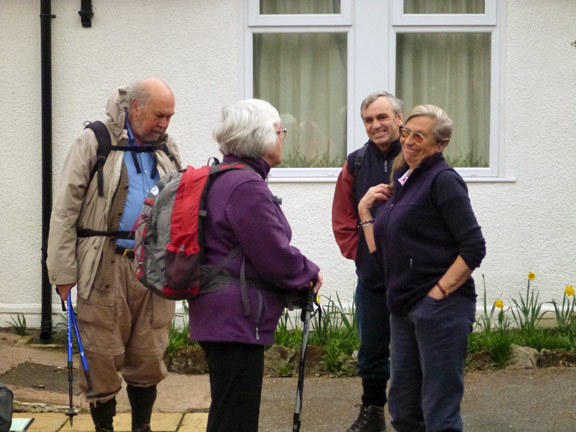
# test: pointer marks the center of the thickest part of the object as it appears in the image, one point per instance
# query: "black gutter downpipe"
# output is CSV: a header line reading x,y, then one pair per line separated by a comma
x,y
46,73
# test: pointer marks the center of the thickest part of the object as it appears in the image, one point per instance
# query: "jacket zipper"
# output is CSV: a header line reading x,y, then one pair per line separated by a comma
x,y
259,315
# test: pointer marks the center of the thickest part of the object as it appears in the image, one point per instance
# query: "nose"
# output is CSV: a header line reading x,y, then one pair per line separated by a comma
x,y
376,124
163,122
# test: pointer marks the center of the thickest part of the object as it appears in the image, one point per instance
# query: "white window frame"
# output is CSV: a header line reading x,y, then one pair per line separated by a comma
x,y
301,23
489,17
256,19
372,27
476,23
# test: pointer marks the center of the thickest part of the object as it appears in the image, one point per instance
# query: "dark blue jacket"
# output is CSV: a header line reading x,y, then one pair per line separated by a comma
x,y
422,229
376,168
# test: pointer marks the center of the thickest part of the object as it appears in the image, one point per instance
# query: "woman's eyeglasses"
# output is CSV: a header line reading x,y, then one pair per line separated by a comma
x,y
417,136
281,131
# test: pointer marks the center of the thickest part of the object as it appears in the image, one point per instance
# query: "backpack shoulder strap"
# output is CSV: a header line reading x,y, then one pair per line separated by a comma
x,y
358,163
104,148
165,149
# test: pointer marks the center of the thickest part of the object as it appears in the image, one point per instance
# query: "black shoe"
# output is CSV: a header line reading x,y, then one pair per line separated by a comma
x,y
143,428
370,419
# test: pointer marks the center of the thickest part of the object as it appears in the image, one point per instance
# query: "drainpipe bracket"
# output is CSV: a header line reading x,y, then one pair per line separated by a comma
x,y
86,13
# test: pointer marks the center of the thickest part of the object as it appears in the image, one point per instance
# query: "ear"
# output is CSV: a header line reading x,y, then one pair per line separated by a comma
x,y
135,106
400,119
443,144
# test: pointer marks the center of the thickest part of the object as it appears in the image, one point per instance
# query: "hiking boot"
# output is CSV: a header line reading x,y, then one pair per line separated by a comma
x,y
103,415
370,419
142,401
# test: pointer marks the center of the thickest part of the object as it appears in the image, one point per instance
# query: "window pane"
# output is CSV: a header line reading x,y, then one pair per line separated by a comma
x,y
304,76
443,6
299,7
451,70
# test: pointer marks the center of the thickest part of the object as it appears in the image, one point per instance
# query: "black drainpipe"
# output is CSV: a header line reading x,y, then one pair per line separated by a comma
x,y
46,58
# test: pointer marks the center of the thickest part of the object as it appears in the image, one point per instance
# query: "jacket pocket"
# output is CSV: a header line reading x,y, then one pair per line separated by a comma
x,y
99,310
162,311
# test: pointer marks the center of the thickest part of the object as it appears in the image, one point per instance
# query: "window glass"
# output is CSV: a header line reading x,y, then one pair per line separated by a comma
x,y
451,70
271,7
443,6
304,75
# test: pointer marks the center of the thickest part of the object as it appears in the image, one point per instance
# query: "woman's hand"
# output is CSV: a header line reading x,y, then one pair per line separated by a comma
x,y
435,293
376,193
318,284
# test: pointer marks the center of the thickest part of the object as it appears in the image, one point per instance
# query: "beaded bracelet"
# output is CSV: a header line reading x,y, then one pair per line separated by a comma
x,y
367,223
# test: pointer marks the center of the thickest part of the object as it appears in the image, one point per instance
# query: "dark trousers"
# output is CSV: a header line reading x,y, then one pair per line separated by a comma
x,y
236,372
429,348
373,322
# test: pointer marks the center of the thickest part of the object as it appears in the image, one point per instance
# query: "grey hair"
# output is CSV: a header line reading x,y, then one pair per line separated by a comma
x,y
247,128
371,98
140,92
143,90
443,126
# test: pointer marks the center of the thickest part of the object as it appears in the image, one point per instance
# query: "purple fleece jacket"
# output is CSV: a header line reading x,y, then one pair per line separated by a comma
x,y
242,211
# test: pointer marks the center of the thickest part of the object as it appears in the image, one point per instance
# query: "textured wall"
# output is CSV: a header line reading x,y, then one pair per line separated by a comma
x,y
193,45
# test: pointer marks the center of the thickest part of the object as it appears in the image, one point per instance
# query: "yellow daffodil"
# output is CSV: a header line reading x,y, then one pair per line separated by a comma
x,y
531,276
499,304
569,291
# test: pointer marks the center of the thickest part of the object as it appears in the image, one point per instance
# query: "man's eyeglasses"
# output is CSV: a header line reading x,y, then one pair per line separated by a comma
x,y
282,132
417,136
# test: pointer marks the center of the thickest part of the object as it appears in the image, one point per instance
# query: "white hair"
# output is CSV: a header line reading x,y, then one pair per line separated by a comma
x,y
247,128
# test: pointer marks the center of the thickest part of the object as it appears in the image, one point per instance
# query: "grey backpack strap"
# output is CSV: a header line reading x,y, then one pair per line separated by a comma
x,y
215,270
244,288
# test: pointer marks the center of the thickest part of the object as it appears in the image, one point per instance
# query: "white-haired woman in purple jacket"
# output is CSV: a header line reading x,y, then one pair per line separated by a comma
x,y
234,323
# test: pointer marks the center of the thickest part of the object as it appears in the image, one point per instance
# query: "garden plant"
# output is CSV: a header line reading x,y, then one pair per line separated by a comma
x,y
334,332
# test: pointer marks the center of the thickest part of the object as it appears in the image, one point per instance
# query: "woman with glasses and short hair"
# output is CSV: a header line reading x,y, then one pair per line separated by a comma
x,y
235,321
427,237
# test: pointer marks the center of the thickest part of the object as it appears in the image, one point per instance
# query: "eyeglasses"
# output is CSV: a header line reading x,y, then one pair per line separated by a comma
x,y
418,137
282,132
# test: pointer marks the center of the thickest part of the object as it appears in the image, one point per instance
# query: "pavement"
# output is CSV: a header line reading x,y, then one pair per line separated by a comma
x,y
527,400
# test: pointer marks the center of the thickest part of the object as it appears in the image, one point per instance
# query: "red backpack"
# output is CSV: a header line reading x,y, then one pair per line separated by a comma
x,y
168,235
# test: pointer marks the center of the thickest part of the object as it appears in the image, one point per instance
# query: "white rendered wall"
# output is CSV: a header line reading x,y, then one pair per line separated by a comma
x,y
193,45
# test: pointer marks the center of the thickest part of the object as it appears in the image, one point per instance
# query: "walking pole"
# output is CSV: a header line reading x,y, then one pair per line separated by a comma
x,y
71,411
72,325
91,392
307,309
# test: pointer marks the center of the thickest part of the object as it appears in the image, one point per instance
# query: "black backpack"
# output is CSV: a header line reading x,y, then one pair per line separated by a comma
x,y
104,148
6,400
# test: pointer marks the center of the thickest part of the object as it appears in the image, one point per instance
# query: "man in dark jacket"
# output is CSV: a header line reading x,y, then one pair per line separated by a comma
x,y
368,166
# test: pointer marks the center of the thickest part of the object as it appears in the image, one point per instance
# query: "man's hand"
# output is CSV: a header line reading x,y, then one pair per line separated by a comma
x,y
63,290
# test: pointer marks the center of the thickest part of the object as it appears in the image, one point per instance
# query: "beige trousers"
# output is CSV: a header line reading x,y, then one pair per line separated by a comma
x,y
124,330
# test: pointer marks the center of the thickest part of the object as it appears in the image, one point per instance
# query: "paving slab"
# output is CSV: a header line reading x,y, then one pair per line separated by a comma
x,y
195,422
